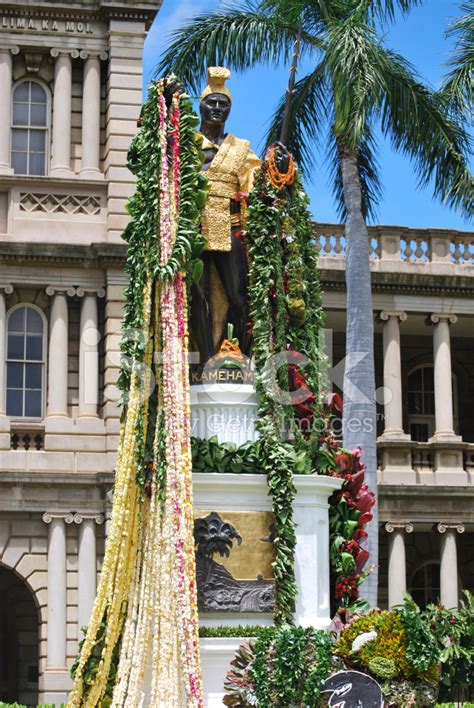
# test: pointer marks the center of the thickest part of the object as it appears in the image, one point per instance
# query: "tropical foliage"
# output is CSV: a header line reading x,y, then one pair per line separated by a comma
x,y
458,88
285,666
355,81
350,512
453,631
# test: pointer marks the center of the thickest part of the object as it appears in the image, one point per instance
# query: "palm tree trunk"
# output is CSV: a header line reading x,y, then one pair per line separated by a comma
x,y
359,422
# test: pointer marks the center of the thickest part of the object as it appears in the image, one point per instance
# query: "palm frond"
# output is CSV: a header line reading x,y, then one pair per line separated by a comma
x,y
371,185
417,122
458,86
307,115
354,68
387,9
306,11
238,37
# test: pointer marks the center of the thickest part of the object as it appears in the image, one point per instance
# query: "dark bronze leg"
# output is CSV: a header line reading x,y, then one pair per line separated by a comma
x,y
201,322
232,269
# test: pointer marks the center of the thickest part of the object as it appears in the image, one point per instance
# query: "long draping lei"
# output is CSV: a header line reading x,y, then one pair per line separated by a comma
x,y
145,613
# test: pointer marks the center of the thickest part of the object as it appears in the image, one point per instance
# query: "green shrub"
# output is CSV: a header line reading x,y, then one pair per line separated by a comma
x,y
454,632
240,630
383,668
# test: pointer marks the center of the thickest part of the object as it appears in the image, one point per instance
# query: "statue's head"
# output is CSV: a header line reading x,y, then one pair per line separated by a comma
x,y
216,99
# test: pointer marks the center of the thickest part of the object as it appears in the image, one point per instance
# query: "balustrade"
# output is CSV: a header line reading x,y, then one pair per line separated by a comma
x,y
421,456
27,440
408,246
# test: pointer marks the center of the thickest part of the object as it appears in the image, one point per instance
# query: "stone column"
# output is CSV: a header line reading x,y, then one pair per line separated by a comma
x,y
6,107
89,354
4,290
397,571
4,421
392,375
91,116
62,101
58,352
57,587
443,376
87,566
449,589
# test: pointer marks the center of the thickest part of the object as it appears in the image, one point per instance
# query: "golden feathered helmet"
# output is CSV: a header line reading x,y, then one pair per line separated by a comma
x,y
216,78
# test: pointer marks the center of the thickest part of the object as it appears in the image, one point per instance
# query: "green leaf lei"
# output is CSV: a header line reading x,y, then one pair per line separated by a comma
x,y
286,315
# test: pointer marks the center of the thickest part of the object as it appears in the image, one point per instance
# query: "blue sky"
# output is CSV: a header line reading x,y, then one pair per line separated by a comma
x,y
419,37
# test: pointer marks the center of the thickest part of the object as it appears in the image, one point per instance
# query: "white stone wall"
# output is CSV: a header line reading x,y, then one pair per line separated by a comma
x,y
123,104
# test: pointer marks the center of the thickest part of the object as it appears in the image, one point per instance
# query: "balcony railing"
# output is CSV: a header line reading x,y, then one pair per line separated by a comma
x,y
417,457
408,246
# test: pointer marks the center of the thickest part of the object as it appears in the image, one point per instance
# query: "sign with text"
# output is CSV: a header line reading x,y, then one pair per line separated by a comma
x,y
40,25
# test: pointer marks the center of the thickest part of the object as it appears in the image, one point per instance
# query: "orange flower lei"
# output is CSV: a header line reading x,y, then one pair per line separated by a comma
x,y
277,178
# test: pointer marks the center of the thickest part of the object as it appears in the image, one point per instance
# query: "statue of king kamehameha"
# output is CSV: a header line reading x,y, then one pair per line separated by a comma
x,y
230,166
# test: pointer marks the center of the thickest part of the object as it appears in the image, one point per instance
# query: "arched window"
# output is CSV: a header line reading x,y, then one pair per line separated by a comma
x,y
425,584
29,128
26,354
421,402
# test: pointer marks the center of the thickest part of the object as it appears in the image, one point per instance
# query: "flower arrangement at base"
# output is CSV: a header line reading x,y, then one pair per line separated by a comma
x,y
381,644
142,645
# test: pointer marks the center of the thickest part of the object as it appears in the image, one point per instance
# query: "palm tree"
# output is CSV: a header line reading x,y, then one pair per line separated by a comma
x,y
355,83
458,87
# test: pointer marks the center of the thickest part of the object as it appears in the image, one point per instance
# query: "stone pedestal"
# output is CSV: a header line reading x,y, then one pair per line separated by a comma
x,y
229,412
216,655
311,517
226,410
250,492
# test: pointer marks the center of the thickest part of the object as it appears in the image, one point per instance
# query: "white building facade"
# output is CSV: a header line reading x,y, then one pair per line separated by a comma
x,y
71,91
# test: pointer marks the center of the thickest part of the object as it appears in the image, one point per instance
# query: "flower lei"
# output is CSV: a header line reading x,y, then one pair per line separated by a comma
x,y
146,604
277,178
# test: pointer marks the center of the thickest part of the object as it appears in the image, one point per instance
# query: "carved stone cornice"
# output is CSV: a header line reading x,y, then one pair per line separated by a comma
x,y
391,527
49,516
443,527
